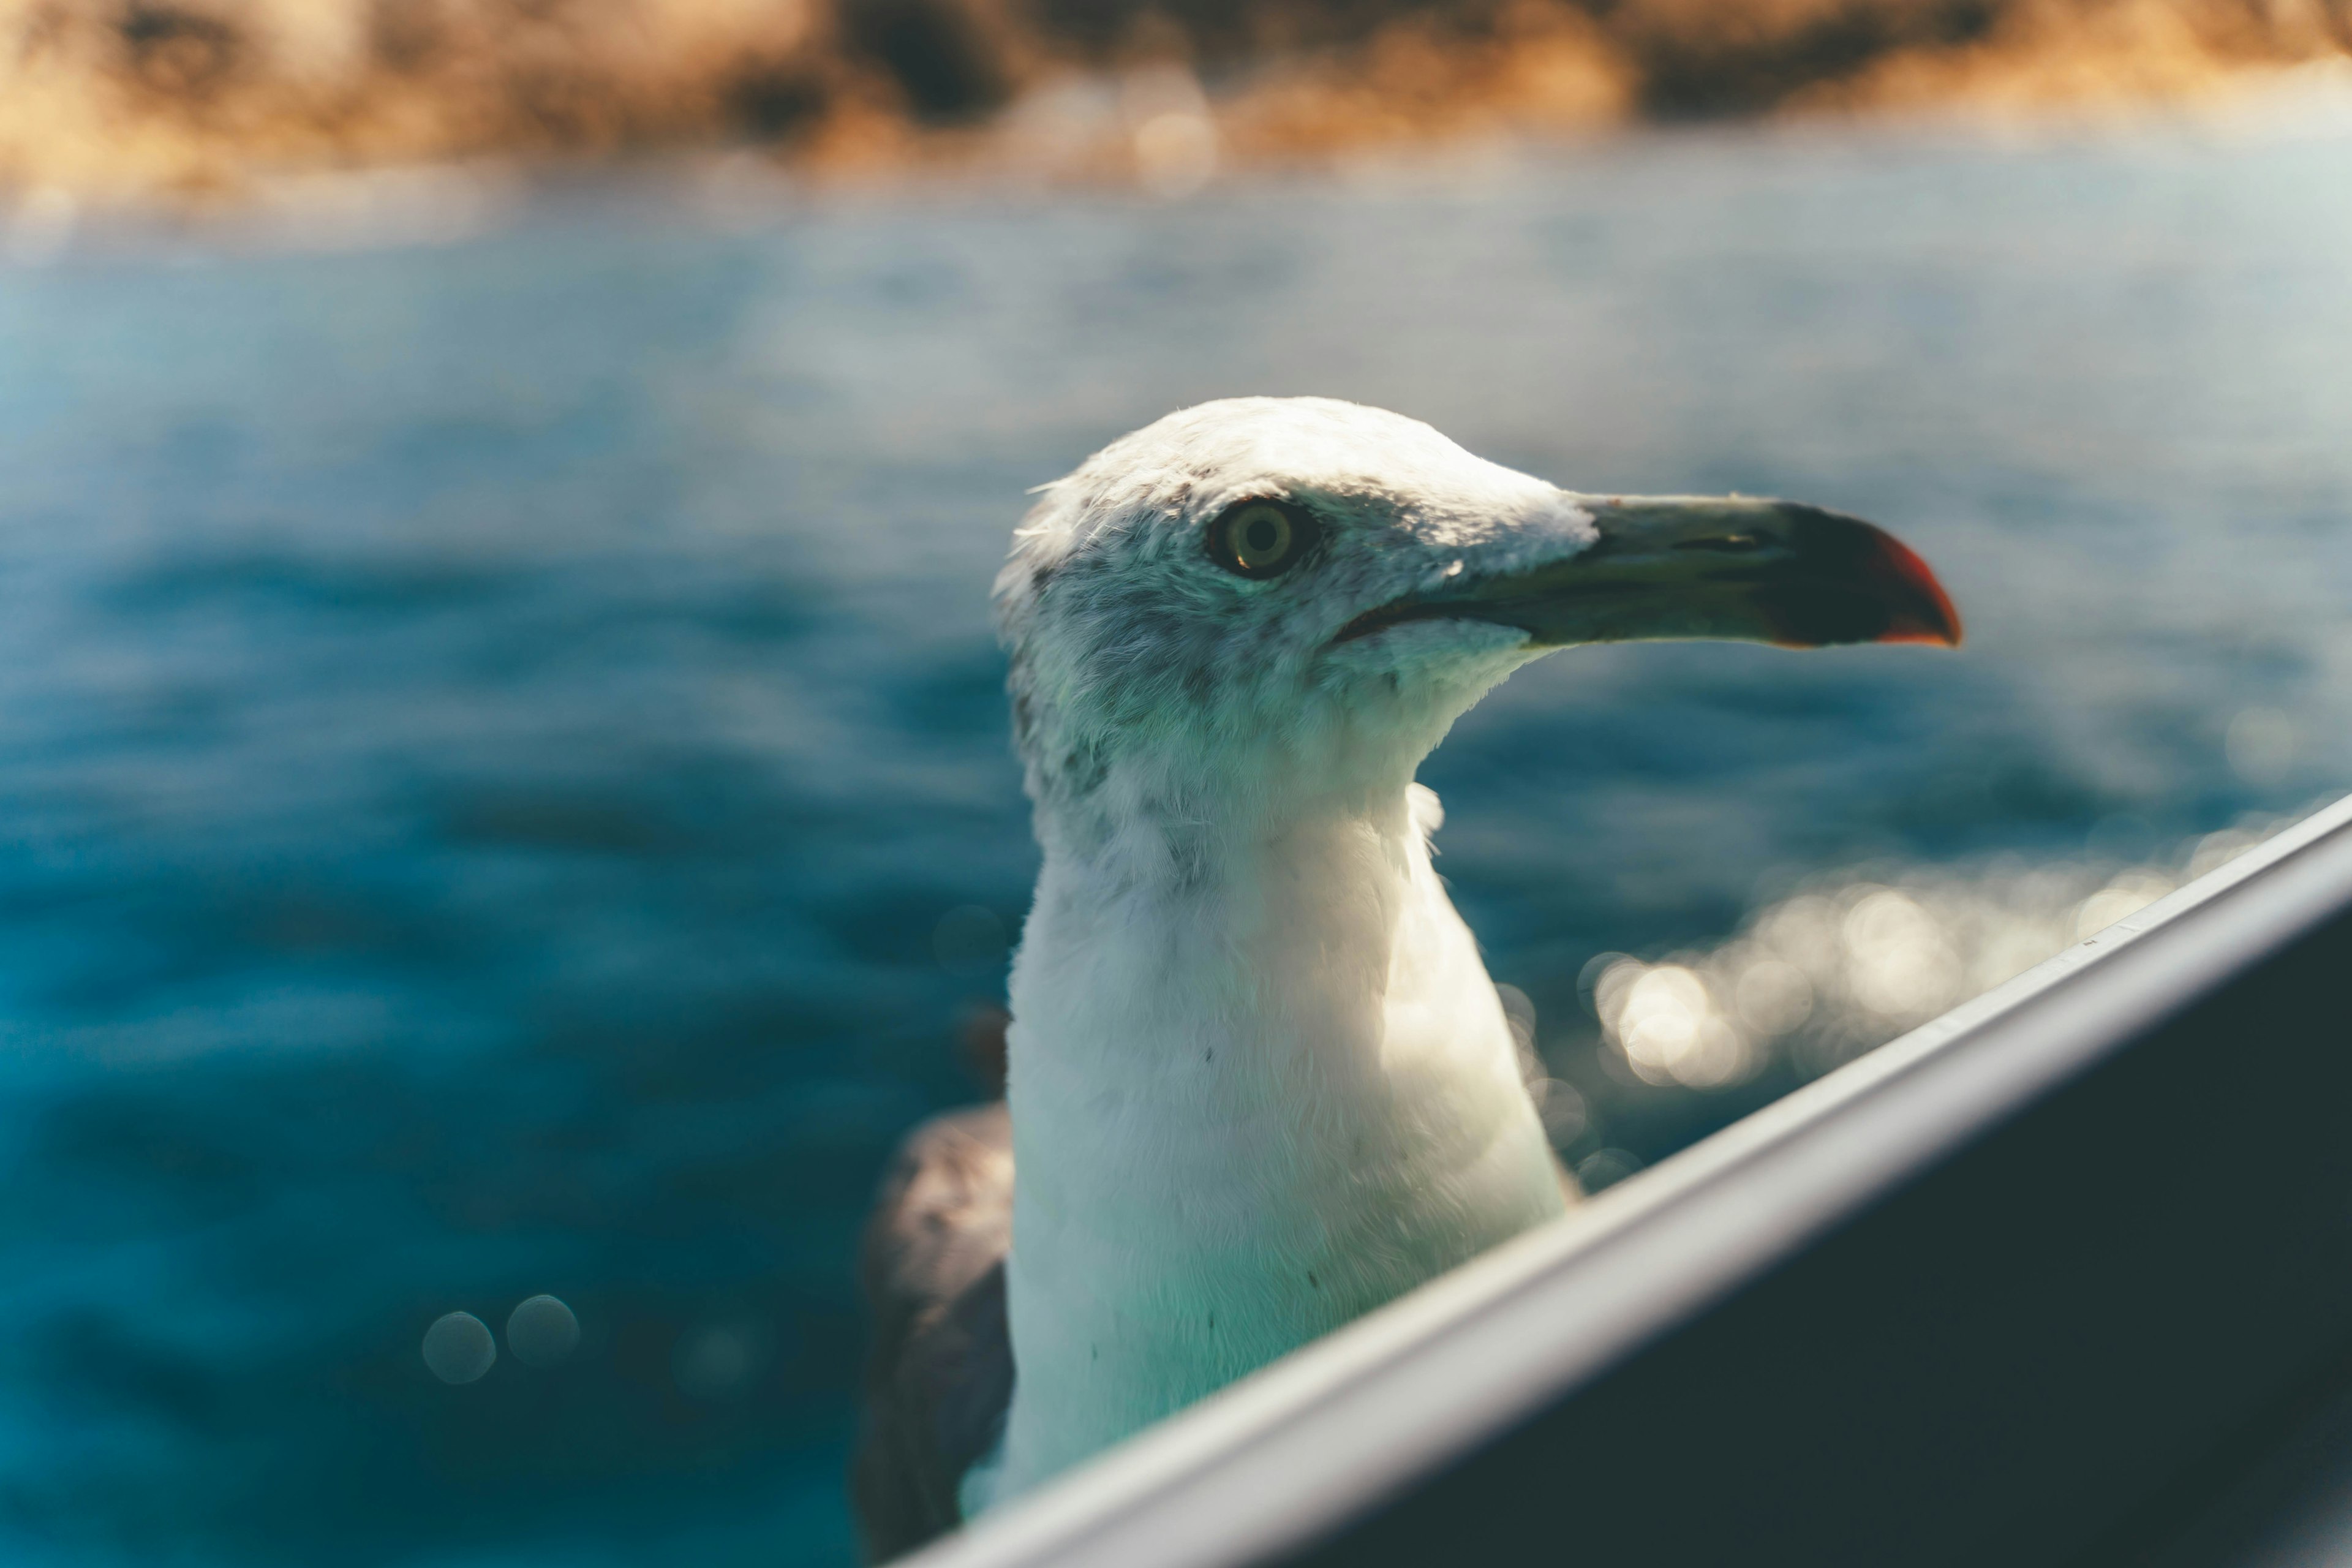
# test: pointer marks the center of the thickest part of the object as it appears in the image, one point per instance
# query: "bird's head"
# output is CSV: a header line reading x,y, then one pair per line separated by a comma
x,y
1262,602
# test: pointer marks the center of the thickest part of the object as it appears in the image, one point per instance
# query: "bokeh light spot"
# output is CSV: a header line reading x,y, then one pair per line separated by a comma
x,y
1901,963
458,1348
541,1332
1773,996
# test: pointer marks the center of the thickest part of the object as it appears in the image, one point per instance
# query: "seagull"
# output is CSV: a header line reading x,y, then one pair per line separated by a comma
x,y
1258,1079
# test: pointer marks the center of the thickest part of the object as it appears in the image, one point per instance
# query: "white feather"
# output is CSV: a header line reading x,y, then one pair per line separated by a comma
x,y
1260,1080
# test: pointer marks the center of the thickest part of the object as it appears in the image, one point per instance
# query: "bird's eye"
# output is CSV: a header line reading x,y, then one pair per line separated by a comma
x,y
1261,538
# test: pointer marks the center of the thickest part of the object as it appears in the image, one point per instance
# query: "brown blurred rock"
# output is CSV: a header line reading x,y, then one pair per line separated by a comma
x,y
136,96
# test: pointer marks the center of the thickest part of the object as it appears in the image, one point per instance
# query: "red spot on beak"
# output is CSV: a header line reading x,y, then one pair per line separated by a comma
x,y
1920,611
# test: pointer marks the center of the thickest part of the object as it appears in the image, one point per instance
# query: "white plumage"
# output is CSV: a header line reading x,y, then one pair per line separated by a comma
x,y
1260,1081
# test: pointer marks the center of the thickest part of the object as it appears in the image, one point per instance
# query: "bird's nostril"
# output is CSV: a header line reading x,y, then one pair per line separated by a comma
x,y
1725,544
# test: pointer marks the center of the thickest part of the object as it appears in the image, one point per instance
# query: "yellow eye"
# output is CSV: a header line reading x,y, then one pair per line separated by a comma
x,y
1261,538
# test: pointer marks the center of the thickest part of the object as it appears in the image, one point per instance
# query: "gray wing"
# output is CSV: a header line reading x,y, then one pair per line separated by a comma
x,y
942,1373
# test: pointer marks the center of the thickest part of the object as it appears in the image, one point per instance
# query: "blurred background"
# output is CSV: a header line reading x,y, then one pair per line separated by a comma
x,y
505,788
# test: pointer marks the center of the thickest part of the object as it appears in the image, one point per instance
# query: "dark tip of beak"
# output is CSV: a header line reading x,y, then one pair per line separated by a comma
x,y
1880,592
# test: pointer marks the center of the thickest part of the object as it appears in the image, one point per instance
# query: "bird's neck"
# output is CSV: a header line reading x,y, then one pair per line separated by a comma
x,y
1260,1084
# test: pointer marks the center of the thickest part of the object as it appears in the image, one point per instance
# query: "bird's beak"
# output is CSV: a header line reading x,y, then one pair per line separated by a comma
x,y
1674,567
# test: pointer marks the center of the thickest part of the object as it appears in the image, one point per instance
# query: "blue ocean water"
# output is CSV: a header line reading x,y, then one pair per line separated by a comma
x,y
496,730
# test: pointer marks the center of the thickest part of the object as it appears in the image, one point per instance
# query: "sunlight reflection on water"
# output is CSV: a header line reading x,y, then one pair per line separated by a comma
x,y
1850,962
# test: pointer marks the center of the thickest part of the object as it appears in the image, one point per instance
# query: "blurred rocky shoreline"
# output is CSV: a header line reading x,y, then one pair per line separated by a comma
x,y
198,100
